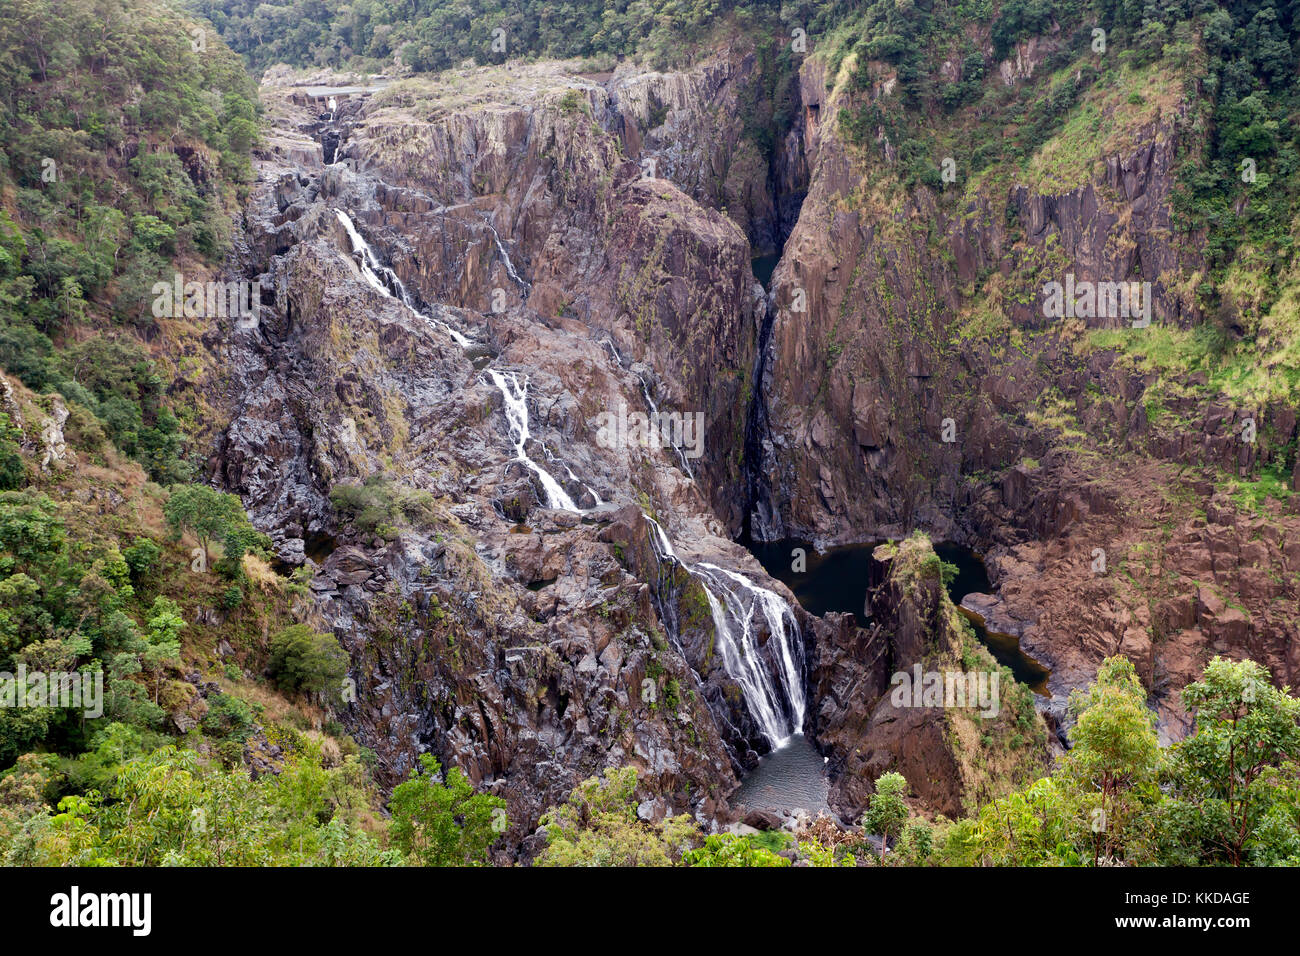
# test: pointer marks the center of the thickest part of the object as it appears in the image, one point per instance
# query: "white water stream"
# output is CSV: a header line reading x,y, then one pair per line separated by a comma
x,y
515,394
775,696
650,403
394,288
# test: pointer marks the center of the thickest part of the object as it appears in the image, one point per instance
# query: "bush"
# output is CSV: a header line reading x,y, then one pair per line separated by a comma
x,y
13,474
303,660
444,824
142,557
380,503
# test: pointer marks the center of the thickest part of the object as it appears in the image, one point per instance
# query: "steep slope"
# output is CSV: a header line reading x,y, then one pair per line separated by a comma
x,y
416,417
1129,483
917,694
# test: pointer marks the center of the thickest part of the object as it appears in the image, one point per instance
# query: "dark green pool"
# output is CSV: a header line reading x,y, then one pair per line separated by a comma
x,y
836,580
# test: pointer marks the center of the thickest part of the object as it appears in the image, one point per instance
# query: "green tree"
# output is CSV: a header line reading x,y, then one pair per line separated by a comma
x,y
204,512
886,810
1112,764
1234,782
162,643
303,660
444,823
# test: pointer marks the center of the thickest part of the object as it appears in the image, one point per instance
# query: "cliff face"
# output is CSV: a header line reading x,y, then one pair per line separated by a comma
x,y
955,752
530,645
592,237
540,190
913,380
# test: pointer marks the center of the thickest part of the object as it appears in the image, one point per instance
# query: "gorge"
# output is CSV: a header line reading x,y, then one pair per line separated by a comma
x,y
642,422
517,203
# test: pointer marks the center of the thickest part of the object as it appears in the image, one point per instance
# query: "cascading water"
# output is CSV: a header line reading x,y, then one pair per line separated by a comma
x,y
505,258
781,689
515,394
773,692
650,404
385,280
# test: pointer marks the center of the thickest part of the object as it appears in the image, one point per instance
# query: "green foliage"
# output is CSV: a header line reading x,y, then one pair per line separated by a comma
x,y
598,826
207,514
1234,784
119,144
729,849
170,808
379,503
444,824
434,35
1252,89
1227,794
142,557
886,809
13,473
303,661
916,843
1115,755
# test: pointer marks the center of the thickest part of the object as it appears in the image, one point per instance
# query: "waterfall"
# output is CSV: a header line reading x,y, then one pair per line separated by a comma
x,y
505,257
783,629
516,406
774,694
650,404
572,477
385,280
515,393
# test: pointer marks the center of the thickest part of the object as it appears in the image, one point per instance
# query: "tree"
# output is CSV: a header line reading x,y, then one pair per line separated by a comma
x,y
1113,762
444,824
916,843
163,643
1040,825
303,660
172,808
598,826
886,811
204,512
1234,781
238,542
730,849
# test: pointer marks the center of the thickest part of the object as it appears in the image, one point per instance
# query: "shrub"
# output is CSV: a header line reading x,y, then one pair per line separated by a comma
x,y
303,660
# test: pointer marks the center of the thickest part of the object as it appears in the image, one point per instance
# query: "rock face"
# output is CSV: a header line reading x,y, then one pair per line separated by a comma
x,y
889,402
870,726
579,201
485,549
530,645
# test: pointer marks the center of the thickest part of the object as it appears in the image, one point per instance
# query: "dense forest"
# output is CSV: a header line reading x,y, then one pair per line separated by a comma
x,y
127,135
435,35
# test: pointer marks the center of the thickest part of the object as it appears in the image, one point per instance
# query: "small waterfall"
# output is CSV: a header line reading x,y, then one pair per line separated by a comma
x,y
650,404
515,394
505,257
572,477
787,660
385,279
774,692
